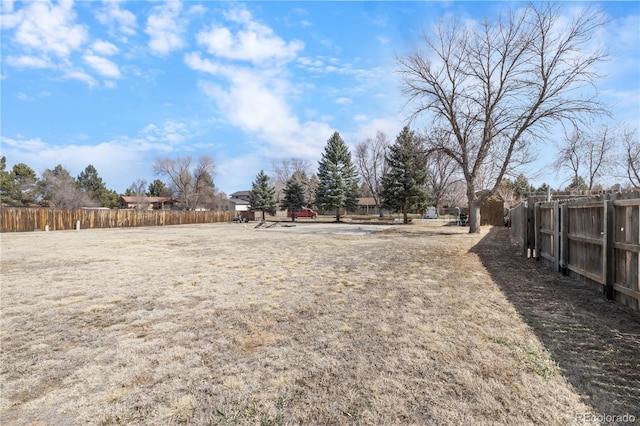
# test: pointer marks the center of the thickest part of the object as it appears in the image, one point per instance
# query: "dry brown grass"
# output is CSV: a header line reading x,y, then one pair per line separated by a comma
x,y
226,324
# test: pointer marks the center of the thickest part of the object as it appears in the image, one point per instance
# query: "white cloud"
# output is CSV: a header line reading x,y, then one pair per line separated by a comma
x,y
6,6
47,28
197,10
390,125
26,61
115,160
118,20
102,66
255,42
170,133
104,48
257,99
49,35
343,101
257,104
165,28
79,75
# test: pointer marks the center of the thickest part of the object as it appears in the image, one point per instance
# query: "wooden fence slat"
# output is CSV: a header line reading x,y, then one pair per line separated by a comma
x,y
27,219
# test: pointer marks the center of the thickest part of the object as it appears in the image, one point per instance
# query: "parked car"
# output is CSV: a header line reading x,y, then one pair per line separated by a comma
x,y
303,212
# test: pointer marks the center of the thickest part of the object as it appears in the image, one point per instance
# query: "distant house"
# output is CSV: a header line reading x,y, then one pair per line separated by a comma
x,y
241,195
146,203
367,205
237,202
237,205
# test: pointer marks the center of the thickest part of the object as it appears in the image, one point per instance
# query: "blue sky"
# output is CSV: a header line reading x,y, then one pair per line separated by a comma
x,y
120,84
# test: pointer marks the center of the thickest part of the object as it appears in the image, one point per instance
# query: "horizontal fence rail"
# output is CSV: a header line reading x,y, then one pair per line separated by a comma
x,y
596,239
18,219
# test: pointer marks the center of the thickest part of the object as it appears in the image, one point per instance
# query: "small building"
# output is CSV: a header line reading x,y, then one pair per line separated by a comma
x,y
492,211
146,203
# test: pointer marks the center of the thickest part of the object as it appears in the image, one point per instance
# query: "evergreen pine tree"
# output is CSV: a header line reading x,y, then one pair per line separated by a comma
x,y
91,183
157,188
337,178
293,197
404,184
262,195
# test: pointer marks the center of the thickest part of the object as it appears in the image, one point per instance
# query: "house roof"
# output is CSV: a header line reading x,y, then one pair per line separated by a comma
x,y
366,201
239,194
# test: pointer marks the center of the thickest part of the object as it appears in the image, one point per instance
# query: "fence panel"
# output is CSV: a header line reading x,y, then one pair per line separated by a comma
x,y
586,235
518,218
626,252
598,240
18,219
548,245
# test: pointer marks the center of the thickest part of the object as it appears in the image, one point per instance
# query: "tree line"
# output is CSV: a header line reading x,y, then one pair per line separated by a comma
x,y
189,182
56,188
487,93
395,175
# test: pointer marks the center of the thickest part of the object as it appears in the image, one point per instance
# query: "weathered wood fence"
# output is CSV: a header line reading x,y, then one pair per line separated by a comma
x,y
598,240
18,219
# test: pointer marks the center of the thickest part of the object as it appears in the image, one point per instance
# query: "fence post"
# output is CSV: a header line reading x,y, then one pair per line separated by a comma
x,y
536,223
556,237
608,261
524,220
564,245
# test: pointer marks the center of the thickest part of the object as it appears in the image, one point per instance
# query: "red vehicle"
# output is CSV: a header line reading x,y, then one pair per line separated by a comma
x,y
303,212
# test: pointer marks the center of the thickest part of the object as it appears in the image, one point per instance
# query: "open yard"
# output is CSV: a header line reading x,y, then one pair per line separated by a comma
x,y
313,324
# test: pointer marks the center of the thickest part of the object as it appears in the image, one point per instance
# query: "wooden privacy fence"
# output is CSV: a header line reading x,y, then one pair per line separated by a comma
x,y
598,240
18,219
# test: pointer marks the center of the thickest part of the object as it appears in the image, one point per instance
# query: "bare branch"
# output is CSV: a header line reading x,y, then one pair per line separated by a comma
x,y
370,160
496,88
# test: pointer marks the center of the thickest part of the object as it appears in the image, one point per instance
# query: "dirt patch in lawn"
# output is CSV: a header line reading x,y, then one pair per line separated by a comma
x,y
227,324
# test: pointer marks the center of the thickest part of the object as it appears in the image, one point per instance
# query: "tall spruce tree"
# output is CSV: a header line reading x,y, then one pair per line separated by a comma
x,y
92,184
337,178
293,197
262,196
404,184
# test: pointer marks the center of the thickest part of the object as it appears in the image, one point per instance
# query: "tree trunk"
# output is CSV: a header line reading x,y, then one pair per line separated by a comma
x,y
474,209
474,215
338,214
404,215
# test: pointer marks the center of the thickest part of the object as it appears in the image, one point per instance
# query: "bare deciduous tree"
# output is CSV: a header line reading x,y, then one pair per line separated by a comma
x,y
495,88
442,173
284,170
587,154
631,156
191,183
137,190
370,160
59,190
